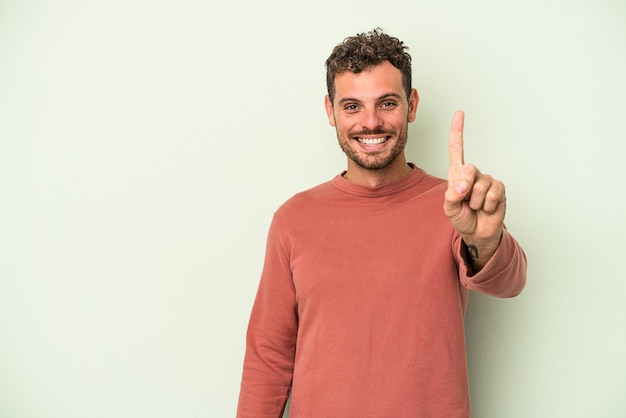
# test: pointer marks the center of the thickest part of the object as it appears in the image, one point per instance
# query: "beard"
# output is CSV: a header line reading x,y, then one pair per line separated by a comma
x,y
375,160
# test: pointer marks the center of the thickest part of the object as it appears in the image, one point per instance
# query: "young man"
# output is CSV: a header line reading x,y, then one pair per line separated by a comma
x,y
361,303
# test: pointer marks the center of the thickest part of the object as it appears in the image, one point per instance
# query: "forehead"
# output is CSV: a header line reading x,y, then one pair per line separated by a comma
x,y
370,84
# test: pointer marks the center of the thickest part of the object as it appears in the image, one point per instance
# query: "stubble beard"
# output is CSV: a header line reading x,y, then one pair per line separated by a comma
x,y
374,160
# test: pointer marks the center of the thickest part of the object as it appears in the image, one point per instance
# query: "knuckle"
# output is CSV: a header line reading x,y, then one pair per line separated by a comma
x,y
480,188
494,194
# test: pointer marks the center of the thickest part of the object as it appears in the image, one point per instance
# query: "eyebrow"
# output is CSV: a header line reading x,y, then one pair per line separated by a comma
x,y
383,97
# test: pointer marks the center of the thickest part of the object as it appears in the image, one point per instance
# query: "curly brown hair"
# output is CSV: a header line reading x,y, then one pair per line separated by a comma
x,y
365,50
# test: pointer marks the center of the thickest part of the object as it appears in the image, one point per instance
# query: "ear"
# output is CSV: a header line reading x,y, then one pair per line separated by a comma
x,y
329,110
414,100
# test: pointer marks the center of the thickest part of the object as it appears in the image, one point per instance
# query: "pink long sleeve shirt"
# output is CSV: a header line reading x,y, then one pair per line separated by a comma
x,y
361,305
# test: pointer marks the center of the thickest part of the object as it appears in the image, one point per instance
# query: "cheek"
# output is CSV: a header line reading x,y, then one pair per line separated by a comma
x,y
343,126
401,123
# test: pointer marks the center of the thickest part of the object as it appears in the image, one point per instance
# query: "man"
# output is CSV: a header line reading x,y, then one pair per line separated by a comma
x,y
361,302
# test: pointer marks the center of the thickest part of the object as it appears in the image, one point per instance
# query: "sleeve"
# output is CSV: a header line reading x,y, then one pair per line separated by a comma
x,y
503,276
271,336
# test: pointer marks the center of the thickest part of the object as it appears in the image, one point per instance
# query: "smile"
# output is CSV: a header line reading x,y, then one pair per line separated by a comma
x,y
372,141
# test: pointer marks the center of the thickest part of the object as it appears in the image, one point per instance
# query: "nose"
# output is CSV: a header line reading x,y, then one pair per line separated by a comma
x,y
371,119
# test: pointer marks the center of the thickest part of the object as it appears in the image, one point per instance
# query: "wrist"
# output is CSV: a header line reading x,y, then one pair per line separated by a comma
x,y
478,251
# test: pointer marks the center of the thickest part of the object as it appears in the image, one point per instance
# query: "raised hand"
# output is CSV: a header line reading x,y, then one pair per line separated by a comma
x,y
474,202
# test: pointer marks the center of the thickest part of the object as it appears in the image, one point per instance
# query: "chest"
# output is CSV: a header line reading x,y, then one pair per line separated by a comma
x,y
371,258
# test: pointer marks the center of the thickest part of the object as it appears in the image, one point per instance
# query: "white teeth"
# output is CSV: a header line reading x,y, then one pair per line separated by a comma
x,y
372,141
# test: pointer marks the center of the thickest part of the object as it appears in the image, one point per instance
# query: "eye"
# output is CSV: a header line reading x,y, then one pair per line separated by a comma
x,y
388,104
351,107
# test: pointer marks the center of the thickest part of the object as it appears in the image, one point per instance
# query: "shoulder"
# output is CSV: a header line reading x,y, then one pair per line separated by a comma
x,y
430,186
307,200
431,182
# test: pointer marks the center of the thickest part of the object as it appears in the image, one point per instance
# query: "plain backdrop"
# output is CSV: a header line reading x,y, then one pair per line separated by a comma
x,y
144,146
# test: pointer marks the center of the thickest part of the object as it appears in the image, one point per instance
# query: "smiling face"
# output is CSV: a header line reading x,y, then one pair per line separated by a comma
x,y
371,114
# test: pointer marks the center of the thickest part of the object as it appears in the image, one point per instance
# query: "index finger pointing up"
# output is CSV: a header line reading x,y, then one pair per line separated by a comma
x,y
455,146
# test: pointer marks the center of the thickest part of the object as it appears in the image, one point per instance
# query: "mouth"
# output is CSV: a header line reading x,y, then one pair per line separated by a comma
x,y
372,141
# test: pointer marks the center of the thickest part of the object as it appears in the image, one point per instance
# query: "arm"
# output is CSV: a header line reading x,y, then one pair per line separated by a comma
x,y
491,260
474,202
271,338
504,275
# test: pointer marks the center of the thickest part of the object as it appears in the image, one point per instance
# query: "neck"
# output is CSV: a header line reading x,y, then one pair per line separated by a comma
x,y
376,178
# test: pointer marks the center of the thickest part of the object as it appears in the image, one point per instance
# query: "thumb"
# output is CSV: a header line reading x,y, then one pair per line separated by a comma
x,y
453,202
